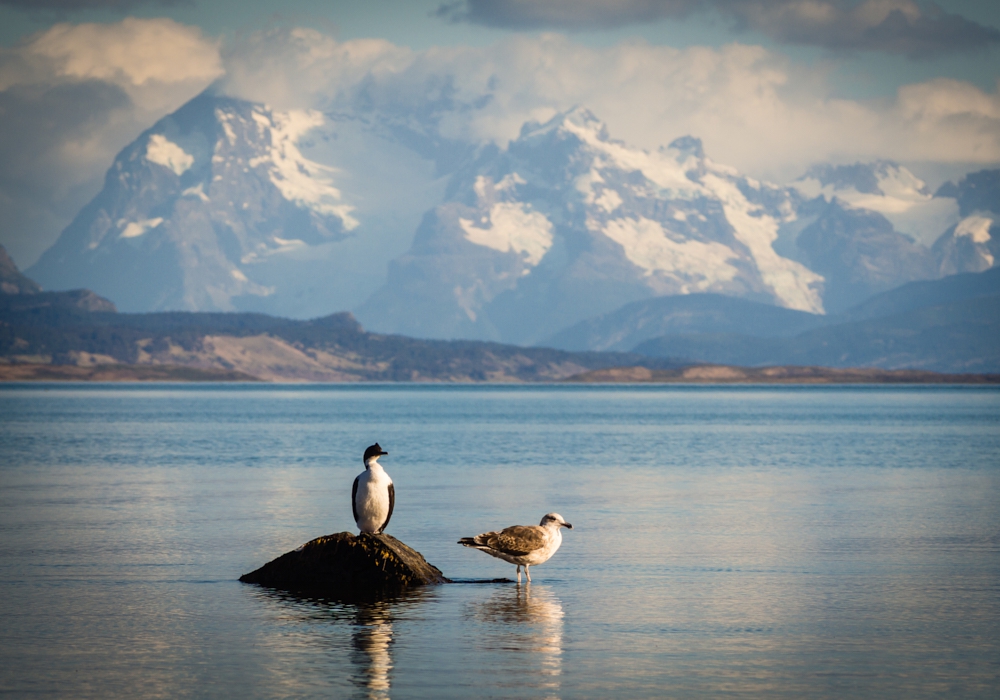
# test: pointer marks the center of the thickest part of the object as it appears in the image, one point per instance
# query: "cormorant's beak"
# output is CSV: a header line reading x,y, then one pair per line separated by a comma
x,y
380,454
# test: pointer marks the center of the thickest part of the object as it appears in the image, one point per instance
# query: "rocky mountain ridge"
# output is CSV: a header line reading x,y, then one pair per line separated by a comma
x,y
566,222
230,205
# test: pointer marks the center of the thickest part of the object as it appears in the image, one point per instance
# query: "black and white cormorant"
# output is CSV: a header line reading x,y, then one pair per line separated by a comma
x,y
373,495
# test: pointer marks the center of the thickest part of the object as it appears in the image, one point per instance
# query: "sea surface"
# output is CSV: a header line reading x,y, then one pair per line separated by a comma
x,y
753,541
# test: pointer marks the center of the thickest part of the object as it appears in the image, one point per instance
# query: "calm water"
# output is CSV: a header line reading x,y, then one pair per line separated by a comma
x,y
750,541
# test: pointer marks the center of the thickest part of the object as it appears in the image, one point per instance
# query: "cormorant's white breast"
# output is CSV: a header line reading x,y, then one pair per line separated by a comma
x,y
373,496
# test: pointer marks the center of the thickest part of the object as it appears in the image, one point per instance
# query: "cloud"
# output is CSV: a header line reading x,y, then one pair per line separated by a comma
x,y
563,14
70,98
293,68
752,107
73,96
893,26
70,5
132,52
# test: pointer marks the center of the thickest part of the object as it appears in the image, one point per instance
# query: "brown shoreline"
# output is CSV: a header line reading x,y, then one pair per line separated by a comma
x,y
697,374
726,374
118,373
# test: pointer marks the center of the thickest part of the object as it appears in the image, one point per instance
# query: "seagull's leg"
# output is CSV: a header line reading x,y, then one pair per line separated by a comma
x,y
527,573
519,573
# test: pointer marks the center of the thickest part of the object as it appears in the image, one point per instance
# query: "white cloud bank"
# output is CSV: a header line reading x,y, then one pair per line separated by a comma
x,y
752,107
70,98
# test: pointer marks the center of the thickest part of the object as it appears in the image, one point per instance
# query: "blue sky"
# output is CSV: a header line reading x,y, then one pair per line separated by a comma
x,y
771,86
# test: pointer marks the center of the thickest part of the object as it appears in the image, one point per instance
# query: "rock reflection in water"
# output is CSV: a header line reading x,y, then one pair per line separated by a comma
x,y
524,624
372,640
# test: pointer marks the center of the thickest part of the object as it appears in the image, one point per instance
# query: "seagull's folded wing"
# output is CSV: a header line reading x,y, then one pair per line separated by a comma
x,y
519,539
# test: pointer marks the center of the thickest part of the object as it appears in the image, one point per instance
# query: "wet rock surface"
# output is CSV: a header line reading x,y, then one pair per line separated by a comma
x,y
345,564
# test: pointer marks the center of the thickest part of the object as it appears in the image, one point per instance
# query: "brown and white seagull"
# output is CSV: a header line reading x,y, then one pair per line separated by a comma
x,y
523,545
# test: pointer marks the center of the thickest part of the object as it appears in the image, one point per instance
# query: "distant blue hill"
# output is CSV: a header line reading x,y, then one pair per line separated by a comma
x,y
917,295
947,325
685,314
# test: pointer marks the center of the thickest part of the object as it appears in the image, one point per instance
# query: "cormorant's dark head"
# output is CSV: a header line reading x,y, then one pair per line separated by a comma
x,y
374,452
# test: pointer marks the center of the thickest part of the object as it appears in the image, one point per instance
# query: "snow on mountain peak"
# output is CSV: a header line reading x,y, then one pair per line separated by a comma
x,y
970,247
508,226
794,284
647,244
168,154
681,173
594,223
887,188
134,229
299,179
897,181
975,227
864,182
672,252
512,227
574,120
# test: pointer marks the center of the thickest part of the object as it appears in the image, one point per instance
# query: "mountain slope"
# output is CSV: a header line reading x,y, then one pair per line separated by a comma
x,y
12,281
933,340
859,253
639,321
916,295
21,294
190,207
334,348
887,189
956,330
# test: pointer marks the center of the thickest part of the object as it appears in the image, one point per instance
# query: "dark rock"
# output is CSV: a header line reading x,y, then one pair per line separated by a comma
x,y
344,564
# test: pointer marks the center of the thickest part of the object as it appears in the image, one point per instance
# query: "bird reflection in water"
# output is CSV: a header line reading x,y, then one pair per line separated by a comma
x,y
372,638
306,621
525,625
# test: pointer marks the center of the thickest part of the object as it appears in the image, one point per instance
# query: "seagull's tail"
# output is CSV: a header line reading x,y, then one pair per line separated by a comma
x,y
469,542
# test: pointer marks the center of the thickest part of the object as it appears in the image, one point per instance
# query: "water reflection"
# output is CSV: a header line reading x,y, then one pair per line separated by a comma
x,y
361,633
372,639
525,625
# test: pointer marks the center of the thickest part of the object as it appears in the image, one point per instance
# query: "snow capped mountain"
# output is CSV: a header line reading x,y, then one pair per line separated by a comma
x,y
193,203
888,189
230,205
567,223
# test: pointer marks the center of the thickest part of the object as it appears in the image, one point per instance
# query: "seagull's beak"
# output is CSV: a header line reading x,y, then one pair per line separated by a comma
x,y
568,525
